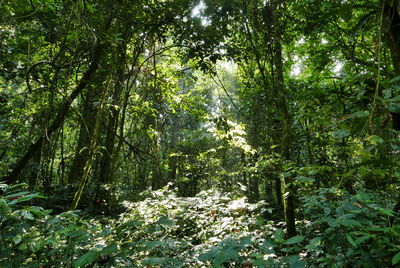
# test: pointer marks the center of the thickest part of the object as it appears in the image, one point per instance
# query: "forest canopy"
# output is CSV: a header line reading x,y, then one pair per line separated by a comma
x,y
199,133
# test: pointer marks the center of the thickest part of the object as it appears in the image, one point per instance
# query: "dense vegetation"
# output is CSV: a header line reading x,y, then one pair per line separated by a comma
x,y
199,133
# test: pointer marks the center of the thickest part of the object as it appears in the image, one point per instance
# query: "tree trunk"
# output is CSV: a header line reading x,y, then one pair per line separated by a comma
x,y
85,134
289,207
156,175
91,152
106,169
175,127
392,31
59,119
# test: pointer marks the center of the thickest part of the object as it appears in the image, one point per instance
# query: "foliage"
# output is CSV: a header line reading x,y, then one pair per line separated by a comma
x,y
227,133
210,229
350,230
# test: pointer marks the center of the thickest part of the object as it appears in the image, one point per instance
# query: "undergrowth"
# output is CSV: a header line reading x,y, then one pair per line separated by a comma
x,y
212,229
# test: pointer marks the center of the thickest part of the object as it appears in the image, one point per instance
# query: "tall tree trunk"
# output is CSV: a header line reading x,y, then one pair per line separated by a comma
x,y
59,119
91,151
156,178
391,15
86,131
106,167
275,81
289,207
172,165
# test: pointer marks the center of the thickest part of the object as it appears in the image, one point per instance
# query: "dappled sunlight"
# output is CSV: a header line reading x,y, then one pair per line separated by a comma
x,y
204,133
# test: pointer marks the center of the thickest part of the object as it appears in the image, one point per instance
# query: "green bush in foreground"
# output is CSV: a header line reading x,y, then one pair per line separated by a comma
x,y
209,230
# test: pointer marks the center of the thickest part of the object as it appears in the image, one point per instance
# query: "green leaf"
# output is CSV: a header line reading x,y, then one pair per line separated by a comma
x,y
294,240
374,139
362,239
153,244
331,221
351,240
4,207
296,262
278,235
360,114
386,212
25,198
304,179
17,239
396,258
153,261
165,221
341,133
221,257
11,196
397,78
109,250
327,211
349,222
27,215
87,258
315,242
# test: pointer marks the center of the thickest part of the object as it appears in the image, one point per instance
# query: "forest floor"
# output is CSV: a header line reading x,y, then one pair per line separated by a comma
x,y
213,229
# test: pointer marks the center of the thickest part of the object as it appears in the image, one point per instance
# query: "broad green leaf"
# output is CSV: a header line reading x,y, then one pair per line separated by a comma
x,y
296,262
17,239
25,198
27,215
331,221
294,240
396,258
374,139
315,242
362,239
87,258
342,133
304,179
268,246
221,257
386,212
165,221
38,211
11,196
349,222
152,244
153,261
4,207
109,250
278,235
360,114
351,240
327,211
397,78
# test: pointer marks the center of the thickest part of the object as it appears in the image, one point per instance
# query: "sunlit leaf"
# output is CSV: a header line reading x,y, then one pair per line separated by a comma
x,y
17,239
